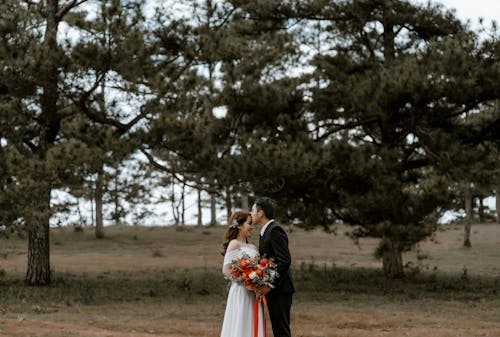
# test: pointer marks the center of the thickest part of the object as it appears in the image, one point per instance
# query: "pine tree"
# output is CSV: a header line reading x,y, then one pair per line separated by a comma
x,y
34,57
223,49
49,90
395,86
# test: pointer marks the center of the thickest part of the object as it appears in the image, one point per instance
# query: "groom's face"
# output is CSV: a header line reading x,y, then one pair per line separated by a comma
x,y
256,215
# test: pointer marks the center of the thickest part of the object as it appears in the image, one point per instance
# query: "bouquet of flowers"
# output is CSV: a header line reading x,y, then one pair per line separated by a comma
x,y
253,272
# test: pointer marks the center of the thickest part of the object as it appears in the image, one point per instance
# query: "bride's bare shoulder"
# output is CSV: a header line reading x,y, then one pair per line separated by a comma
x,y
233,245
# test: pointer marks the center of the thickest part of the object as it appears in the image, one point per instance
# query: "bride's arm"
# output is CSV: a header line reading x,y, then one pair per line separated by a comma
x,y
226,269
226,266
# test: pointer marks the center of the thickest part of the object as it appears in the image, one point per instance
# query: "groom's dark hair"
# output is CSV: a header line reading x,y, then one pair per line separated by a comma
x,y
266,205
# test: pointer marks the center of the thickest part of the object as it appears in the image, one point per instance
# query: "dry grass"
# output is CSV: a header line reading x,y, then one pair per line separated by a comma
x,y
148,282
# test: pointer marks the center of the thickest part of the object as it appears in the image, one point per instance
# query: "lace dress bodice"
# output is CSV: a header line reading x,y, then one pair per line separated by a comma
x,y
246,249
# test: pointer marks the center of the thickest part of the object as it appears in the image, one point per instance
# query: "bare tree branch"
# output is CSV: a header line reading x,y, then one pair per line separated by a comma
x,y
67,7
100,116
97,116
30,144
200,185
339,127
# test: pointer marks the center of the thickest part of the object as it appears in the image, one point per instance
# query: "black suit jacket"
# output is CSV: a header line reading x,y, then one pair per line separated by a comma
x,y
274,244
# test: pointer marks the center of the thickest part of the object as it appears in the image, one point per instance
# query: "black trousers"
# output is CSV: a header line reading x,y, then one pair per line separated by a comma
x,y
279,305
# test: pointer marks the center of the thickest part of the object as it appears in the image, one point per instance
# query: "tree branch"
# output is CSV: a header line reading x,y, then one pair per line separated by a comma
x,y
346,126
30,144
425,140
100,116
199,184
67,7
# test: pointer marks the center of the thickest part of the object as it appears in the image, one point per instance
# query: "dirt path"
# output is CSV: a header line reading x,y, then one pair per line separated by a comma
x,y
17,328
350,318
339,324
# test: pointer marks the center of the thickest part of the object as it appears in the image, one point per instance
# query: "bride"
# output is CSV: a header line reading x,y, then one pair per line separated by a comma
x,y
239,315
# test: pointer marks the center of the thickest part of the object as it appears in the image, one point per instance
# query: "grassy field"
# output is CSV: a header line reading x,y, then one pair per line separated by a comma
x,y
152,281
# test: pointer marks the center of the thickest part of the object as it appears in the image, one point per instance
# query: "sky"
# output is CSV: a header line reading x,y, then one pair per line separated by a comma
x,y
473,9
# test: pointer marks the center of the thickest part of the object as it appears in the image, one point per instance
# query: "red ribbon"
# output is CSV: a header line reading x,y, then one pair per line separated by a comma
x,y
256,317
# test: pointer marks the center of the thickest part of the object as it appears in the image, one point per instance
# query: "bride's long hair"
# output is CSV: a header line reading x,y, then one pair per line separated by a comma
x,y
232,230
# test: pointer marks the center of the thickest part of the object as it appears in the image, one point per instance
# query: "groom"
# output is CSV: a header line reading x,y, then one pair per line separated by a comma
x,y
273,243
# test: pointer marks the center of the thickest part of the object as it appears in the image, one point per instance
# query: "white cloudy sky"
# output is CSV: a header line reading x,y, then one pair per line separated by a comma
x,y
466,9
473,9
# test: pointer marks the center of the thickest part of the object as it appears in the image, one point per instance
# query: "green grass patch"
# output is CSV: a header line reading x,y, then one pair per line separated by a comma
x,y
314,279
191,285
106,288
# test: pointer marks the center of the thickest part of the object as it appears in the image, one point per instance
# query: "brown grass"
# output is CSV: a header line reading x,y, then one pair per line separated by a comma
x,y
136,251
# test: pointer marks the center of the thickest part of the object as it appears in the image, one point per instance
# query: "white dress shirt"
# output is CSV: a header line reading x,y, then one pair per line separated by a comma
x,y
263,229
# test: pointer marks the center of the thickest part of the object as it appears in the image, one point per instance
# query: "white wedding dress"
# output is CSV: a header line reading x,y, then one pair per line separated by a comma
x,y
239,315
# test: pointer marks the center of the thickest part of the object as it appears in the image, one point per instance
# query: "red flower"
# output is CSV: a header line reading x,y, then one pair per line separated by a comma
x,y
252,272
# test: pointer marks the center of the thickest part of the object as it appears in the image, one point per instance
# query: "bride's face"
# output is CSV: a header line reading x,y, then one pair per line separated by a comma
x,y
247,227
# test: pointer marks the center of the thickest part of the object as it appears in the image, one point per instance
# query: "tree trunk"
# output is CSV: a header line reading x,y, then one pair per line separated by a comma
x,y
229,202
213,210
99,224
38,272
81,221
468,216
92,208
481,209
183,204
200,215
116,201
497,202
244,201
175,209
389,35
392,259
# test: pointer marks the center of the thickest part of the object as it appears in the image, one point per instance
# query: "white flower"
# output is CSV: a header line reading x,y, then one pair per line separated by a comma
x,y
253,275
